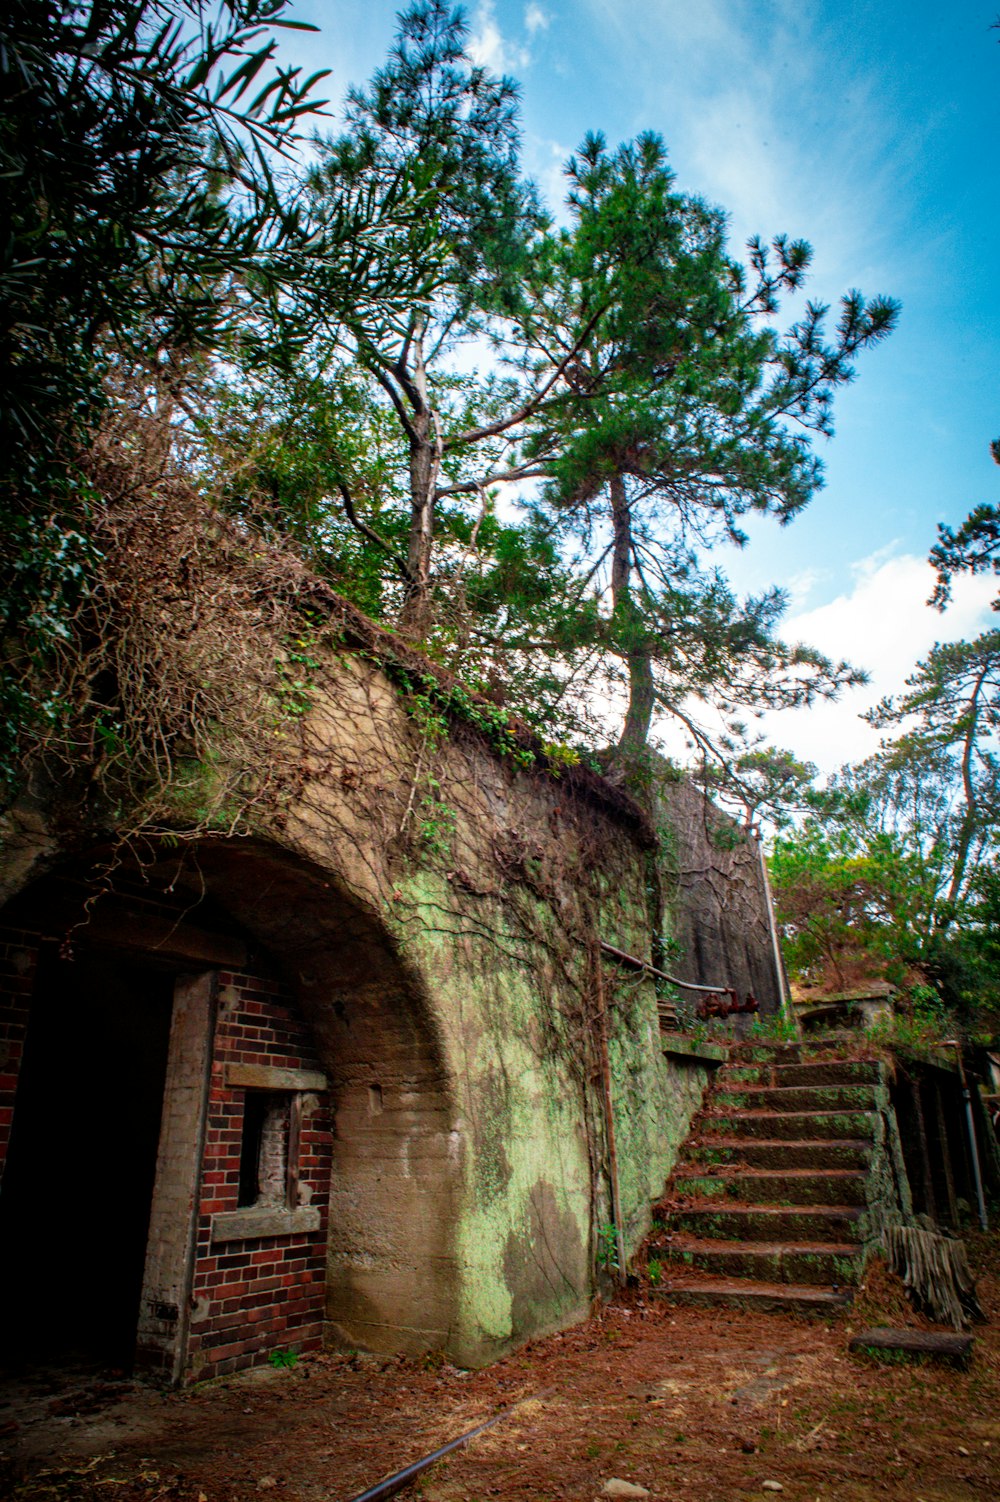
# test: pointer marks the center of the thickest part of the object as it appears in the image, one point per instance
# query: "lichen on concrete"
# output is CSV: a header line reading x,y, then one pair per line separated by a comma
x,y
438,907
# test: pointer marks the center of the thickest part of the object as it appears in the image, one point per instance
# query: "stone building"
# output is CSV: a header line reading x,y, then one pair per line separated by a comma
x,y
364,1073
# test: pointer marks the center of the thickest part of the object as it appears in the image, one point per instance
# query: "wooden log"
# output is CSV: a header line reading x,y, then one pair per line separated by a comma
x,y
940,1345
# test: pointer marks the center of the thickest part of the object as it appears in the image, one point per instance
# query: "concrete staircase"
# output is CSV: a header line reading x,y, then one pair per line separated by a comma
x,y
769,1204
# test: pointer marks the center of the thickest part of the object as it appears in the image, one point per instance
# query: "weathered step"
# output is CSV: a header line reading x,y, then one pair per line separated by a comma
x,y
752,1051
785,1098
794,1186
770,1223
797,1126
810,1072
939,1345
830,1264
751,1152
741,1293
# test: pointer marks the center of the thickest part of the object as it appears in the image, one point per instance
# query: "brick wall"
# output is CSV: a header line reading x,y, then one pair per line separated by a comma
x,y
18,961
263,1293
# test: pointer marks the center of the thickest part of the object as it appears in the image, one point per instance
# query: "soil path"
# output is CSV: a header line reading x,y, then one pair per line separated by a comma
x,y
693,1405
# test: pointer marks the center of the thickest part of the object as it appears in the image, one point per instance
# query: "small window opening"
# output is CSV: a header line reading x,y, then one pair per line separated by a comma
x,y
264,1176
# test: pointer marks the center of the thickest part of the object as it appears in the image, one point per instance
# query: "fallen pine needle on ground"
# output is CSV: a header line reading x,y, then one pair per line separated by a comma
x,y
692,1405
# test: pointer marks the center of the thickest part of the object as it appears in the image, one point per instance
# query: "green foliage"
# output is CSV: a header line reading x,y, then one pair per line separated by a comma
x,y
850,906
433,113
974,548
294,345
145,231
667,422
893,874
774,1029
759,782
607,1247
282,1360
950,718
432,701
294,668
633,349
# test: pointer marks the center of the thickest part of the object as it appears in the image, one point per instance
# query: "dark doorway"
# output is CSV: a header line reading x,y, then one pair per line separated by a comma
x,y
74,1212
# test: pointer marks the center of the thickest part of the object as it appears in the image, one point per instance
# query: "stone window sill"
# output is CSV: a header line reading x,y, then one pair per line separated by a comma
x,y
264,1220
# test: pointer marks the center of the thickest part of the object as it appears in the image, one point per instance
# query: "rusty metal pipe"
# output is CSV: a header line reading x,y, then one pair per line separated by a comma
x,y
637,964
609,1115
400,1479
970,1123
784,1000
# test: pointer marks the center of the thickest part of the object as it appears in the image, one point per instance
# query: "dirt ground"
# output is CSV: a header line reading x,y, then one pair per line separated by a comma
x,y
693,1405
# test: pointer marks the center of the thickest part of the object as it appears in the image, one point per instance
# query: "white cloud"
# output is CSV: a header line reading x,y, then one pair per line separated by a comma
x,y
883,624
788,132
535,19
489,48
545,162
800,586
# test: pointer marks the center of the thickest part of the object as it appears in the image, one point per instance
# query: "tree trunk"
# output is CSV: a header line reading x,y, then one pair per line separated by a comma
x,y
641,688
970,814
417,615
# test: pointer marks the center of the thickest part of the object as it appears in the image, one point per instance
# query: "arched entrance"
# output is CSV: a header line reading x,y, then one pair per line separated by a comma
x,y
231,1126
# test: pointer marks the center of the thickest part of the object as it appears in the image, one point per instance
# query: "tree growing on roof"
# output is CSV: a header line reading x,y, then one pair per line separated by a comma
x,y
682,412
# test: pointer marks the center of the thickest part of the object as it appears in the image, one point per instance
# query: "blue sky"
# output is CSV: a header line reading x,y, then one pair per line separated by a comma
x,y
871,130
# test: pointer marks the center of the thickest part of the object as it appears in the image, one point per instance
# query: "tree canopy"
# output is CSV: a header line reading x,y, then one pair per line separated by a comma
x,y
144,207
538,517
971,548
515,440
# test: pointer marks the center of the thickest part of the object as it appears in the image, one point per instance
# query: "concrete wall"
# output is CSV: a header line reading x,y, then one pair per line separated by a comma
x,y
714,895
434,906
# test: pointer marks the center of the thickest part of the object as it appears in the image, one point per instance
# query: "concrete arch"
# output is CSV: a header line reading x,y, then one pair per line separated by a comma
x,y
219,915
392,1282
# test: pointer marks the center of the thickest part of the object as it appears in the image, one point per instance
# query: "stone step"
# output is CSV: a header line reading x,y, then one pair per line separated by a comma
x,y
779,1155
809,1072
786,1098
755,1052
705,1291
794,1186
769,1223
797,1126
833,1264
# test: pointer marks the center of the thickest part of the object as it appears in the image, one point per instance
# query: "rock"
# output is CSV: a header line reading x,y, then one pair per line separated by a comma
x,y
772,1486
615,1487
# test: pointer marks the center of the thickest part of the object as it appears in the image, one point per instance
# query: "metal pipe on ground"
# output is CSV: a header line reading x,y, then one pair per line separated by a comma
x,y
390,1485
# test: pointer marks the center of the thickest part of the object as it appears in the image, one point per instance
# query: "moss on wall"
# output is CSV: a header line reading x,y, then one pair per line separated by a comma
x,y
437,905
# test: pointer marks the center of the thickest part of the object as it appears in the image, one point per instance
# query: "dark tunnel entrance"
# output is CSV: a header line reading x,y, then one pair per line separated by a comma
x,y
78,1182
